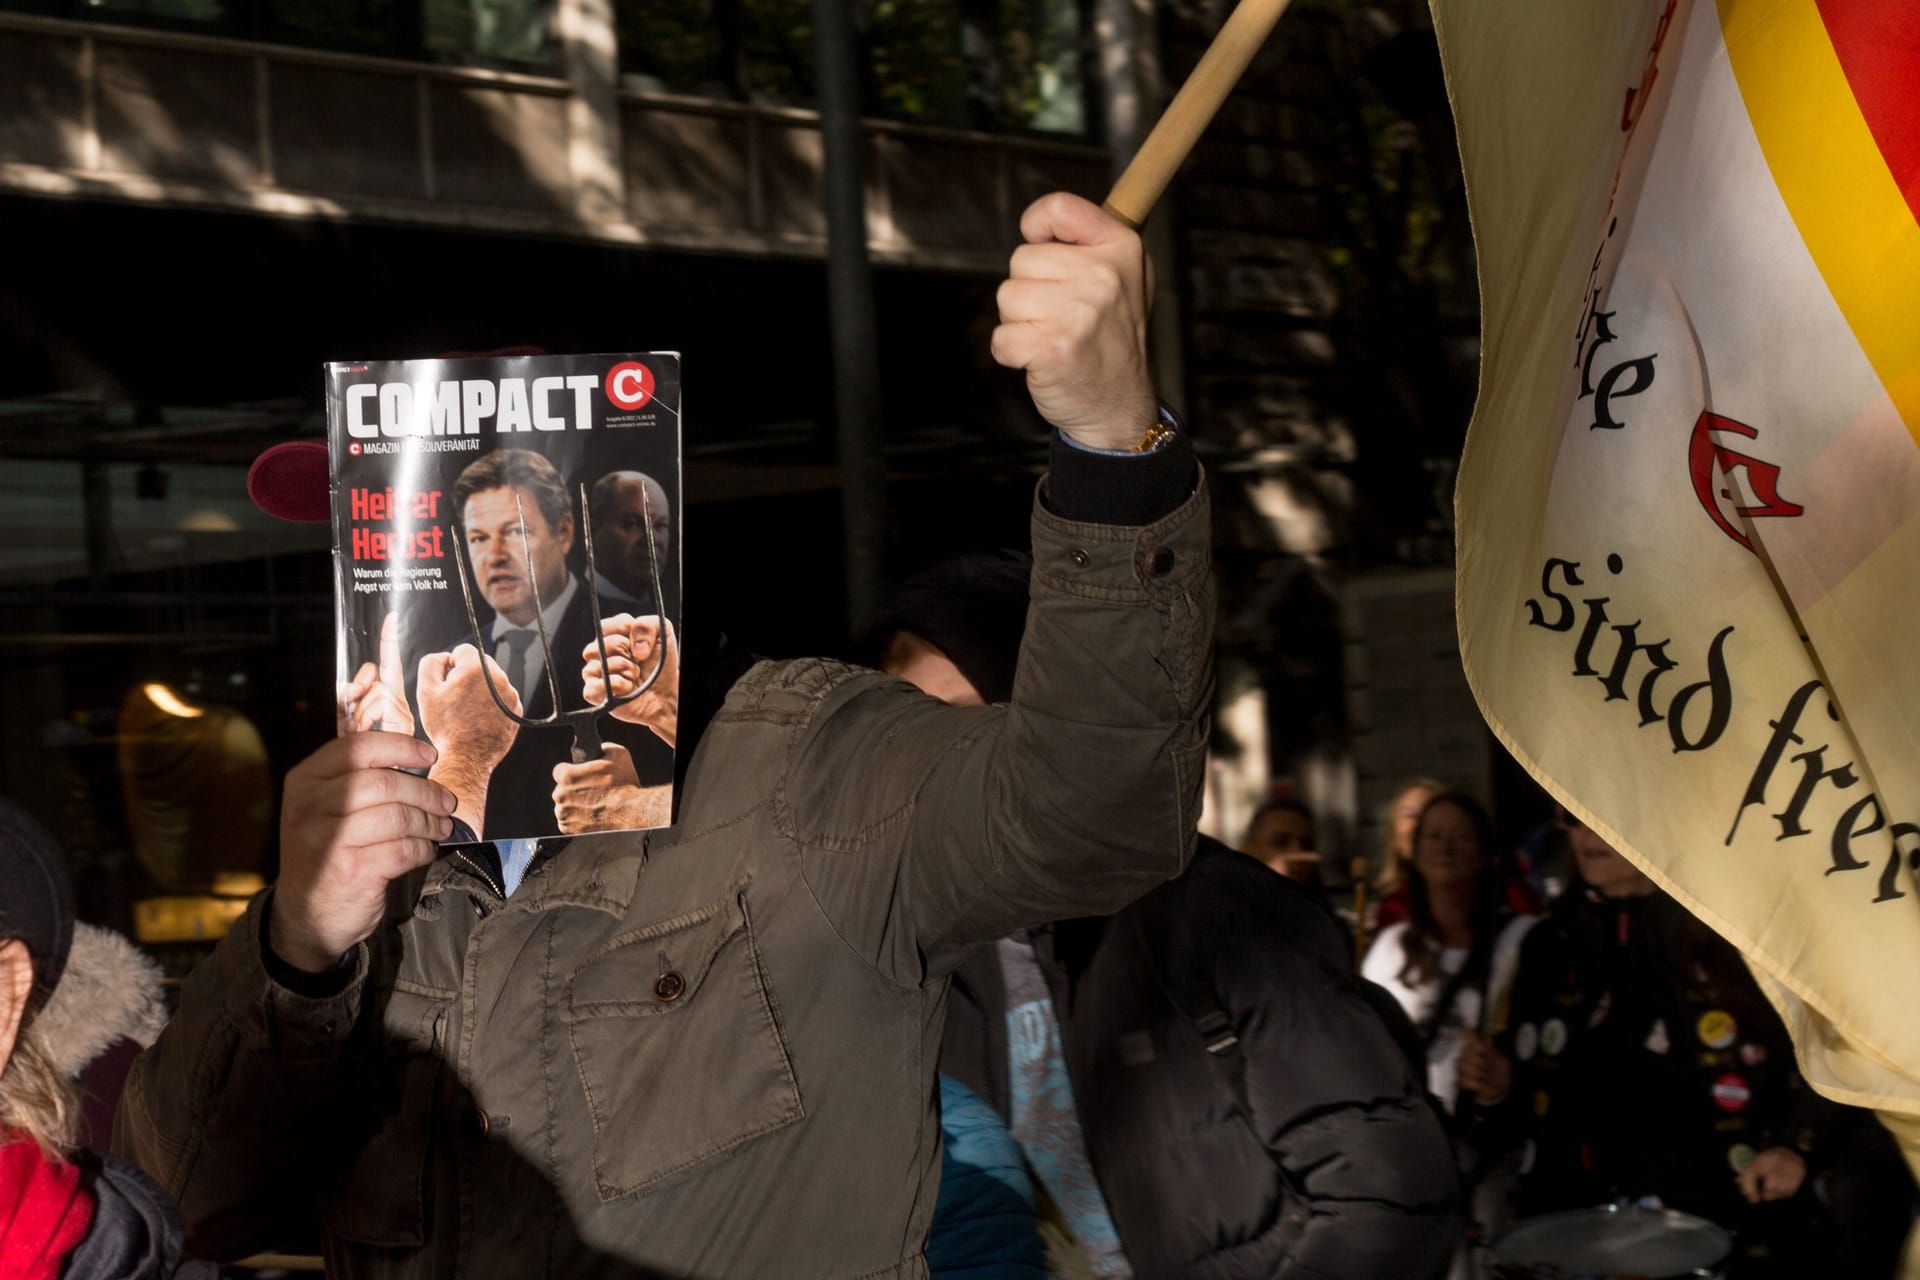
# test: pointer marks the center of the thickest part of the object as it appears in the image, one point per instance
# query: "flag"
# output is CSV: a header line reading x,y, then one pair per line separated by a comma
x,y
1689,505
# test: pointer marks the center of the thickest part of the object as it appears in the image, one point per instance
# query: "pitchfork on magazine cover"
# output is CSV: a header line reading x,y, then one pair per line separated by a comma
x,y
507,564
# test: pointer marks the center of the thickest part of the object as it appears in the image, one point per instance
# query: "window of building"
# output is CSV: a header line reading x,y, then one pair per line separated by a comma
x,y
185,12
777,49
514,32
1042,50
508,34
976,64
675,46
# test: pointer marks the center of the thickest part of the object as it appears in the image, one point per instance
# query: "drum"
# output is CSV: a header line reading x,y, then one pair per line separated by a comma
x,y
1610,1243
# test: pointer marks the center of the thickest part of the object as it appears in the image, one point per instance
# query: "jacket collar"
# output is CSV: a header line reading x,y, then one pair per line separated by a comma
x,y
599,872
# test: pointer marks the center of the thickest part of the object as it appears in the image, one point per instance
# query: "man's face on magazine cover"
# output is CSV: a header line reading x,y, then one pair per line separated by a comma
x,y
492,520
620,535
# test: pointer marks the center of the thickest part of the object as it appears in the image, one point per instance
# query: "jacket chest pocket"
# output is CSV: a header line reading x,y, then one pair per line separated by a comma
x,y
677,1048
378,1197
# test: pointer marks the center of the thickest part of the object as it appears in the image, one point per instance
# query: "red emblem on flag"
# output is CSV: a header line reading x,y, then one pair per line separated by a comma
x,y
1703,451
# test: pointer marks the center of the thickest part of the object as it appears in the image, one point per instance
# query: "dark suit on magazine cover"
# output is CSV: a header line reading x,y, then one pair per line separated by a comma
x,y
520,794
615,598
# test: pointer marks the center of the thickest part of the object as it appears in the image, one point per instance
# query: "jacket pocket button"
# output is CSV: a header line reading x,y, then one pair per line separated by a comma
x,y
669,986
1160,564
1078,557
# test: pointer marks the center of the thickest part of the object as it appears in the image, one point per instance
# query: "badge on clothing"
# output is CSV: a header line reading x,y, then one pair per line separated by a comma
x,y
1731,1093
1553,1037
1657,1041
1717,1029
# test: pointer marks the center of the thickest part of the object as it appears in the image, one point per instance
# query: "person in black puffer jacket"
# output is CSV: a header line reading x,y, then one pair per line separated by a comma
x,y
1249,1106
1202,1085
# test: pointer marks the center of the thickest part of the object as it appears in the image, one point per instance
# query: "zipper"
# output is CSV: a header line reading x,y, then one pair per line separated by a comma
x,y
542,856
486,877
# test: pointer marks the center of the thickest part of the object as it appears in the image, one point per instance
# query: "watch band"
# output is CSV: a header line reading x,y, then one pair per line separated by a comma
x,y
1159,432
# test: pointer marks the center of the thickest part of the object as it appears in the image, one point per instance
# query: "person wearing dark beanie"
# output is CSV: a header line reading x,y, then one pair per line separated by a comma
x,y
36,903
953,631
65,1214
970,610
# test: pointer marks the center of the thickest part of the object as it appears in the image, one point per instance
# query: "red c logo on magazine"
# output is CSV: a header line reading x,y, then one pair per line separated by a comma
x,y
630,384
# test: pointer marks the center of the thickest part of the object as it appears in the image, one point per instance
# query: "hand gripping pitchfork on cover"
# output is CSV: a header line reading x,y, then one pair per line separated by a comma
x,y
585,720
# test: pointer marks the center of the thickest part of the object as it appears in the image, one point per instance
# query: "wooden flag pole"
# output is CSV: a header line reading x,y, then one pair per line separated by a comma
x,y
1192,109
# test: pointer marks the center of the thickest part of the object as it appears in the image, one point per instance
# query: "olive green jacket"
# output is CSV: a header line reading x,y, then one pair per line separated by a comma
x,y
709,1051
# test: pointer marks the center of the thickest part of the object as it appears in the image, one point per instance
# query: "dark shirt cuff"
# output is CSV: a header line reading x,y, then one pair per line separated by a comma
x,y
1097,487
310,986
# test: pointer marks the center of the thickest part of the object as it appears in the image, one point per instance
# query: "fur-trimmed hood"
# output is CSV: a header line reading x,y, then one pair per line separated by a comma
x,y
110,992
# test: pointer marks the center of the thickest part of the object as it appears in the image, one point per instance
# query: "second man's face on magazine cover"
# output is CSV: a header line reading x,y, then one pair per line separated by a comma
x,y
620,530
492,520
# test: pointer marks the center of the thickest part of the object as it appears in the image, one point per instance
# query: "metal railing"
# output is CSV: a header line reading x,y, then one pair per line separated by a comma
x,y
185,119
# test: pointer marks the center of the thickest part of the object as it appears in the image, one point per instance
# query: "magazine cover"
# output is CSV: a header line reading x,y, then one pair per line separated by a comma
x,y
506,576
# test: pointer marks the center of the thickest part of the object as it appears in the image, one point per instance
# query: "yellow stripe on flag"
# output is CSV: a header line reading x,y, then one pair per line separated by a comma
x,y
1850,213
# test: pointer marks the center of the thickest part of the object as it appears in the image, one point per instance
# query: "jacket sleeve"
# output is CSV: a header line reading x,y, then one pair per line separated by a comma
x,y
926,829
228,1108
1333,1094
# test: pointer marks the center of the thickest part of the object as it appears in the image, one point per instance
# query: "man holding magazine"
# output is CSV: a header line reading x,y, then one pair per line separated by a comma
x,y
709,1050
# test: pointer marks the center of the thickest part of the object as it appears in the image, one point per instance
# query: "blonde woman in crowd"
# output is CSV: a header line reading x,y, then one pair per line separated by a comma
x,y
65,1213
1396,847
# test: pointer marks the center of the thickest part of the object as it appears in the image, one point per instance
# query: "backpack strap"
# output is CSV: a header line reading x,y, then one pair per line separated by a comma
x,y
1177,959
1173,948
1437,1017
